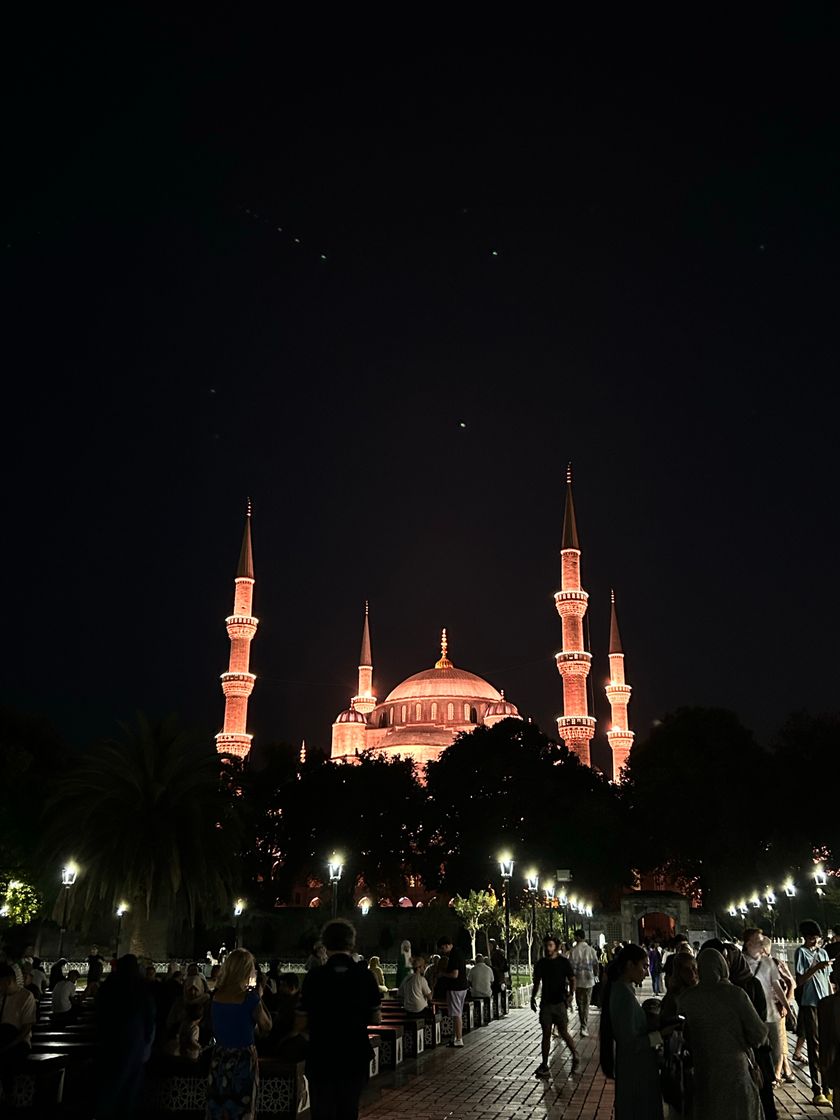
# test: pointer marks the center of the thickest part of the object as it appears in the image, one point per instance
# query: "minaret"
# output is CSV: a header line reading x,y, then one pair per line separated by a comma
x,y
238,681
575,727
618,693
364,701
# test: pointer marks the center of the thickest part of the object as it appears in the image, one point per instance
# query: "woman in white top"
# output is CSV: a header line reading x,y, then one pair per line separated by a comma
x,y
765,971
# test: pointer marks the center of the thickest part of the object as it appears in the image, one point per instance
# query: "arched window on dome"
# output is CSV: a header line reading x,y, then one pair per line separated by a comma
x,y
466,711
450,711
383,719
404,715
390,715
473,715
434,710
418,712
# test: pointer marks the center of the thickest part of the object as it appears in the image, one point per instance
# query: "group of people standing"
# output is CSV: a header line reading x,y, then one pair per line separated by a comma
x,y
716,1045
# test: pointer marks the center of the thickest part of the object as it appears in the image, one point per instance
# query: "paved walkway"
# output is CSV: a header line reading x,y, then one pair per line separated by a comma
x,y
493,1078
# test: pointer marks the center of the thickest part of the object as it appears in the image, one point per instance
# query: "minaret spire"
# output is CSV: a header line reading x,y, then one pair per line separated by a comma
x,y
246,556
618,694
570,533
365,701
238,681
575,727
443,662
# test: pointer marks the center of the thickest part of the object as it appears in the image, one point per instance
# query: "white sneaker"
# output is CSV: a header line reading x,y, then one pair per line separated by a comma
x,y
458,1042
584,1033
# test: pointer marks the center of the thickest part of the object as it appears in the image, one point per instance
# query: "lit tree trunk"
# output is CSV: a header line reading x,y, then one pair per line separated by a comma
x,y
149,932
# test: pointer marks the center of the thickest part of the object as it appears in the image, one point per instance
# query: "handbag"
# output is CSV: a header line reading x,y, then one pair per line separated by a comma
x,y
755,1072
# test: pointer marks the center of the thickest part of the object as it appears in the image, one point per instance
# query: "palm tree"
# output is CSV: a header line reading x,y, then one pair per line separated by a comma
x,y
145,818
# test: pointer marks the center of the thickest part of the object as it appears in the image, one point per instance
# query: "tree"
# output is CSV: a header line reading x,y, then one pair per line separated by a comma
x,y
370,812
697,792
511,787
476,911
809,746
145,818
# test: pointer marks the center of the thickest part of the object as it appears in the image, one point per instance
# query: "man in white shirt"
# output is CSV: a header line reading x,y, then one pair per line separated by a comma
x,y
38,974
481,978
19,1011
64,1007
415,993
584,962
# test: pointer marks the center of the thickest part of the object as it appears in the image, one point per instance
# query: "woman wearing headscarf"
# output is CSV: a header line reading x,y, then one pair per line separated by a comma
x,y
721,1027
628,1048
404,965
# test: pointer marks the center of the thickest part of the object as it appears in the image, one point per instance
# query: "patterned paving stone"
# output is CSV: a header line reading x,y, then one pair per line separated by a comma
x,y
492,1078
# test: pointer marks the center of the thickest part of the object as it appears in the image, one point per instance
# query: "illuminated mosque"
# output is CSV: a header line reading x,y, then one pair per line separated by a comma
x,y
422,716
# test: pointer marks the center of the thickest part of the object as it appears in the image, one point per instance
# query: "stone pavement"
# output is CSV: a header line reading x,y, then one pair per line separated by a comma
x,y
492,1078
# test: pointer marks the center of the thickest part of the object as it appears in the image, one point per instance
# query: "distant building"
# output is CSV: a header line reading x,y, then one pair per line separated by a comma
x,y
421,717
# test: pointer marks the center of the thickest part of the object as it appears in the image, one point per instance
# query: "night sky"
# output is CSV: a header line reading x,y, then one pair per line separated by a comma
x,y
388,292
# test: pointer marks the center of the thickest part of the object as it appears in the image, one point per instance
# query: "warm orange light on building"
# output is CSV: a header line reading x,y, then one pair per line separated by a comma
x,y
238,681
575,727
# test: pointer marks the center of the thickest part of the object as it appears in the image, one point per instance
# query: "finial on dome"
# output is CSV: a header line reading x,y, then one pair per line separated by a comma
x,y
569,473
366,606
502,693
612,596
248,508
444,662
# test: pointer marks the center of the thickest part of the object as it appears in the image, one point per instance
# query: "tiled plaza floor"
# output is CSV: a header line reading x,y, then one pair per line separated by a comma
x,y
493,1077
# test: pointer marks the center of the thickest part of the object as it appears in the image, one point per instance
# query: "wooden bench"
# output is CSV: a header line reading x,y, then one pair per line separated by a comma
x,y
414,1034
38,1085
374,1062
179,1086
390,1044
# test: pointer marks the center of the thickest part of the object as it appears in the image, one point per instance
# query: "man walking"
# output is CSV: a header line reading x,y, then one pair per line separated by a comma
x,y
553,972
455,976
655,967
338,1001
811,964
584,962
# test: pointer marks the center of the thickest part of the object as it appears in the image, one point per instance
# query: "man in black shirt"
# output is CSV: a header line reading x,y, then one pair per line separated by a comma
x,y
457,985
557,978
337,1002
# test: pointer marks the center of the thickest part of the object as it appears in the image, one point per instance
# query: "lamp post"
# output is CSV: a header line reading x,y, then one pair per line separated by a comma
x,y
121,909
563,876
335,867
68,878
238,909
532,885
506,870
790,894
549,898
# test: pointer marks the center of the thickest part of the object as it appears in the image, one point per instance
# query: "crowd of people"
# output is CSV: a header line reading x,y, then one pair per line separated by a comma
x,y
712,1043
715,1046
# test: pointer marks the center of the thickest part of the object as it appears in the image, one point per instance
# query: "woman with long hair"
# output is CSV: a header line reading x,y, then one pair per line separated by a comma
x,y
237,1010
628,1048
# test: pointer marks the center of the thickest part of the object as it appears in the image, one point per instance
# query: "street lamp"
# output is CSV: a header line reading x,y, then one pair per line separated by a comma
x,y
549,898
121,909
789,887
68,878
506,871
238,909
335,867
532,886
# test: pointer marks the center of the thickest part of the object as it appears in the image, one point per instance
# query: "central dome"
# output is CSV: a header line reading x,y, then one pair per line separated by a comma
x,y
444,681
450,682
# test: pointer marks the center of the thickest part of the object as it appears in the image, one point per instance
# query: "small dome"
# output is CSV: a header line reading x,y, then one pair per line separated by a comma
x,y
501,708
350,716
